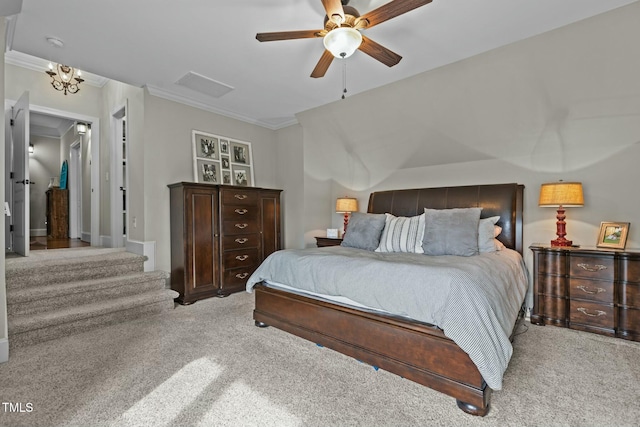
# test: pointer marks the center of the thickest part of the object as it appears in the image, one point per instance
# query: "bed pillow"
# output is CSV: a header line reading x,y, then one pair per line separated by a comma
x,y
363,231
487,234
451,231
402,234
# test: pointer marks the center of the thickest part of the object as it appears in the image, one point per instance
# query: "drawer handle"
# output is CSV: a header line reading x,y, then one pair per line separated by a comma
x,y
589,291
241,240
596,267
241,211
584,311
242,257
243,225
242,275
240,196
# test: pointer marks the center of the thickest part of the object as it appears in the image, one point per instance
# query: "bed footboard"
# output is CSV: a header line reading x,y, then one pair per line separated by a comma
x,y
413,350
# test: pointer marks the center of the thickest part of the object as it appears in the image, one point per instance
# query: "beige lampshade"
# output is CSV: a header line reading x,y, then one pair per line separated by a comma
x,y
346,204
566,194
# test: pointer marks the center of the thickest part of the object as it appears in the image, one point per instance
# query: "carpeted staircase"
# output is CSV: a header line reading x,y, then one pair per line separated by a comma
x,y
51,294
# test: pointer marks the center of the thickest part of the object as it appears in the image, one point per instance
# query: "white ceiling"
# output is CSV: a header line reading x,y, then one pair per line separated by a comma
x,y
155,43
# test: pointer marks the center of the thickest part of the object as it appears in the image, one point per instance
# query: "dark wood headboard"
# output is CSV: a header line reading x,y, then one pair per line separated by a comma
x,y
497,199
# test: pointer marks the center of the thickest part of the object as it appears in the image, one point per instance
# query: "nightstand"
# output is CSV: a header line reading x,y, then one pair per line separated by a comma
x,y
589,289
327,241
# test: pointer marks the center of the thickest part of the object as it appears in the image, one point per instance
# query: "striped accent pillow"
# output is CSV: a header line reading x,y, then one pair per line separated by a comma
x,y
402,234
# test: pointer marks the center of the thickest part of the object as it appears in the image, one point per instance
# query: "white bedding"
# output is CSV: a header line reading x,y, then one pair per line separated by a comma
x,y
474,300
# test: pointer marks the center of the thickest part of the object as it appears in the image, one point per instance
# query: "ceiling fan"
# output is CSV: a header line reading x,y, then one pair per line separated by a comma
x,y
341,32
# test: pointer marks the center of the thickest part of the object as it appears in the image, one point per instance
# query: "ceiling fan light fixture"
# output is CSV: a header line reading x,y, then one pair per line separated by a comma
x,y
342,42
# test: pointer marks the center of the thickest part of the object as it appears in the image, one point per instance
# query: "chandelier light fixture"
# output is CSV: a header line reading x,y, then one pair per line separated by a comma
x,y
64,78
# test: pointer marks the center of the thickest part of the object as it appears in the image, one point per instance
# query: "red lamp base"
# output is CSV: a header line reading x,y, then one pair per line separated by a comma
x,y
561,230
346,222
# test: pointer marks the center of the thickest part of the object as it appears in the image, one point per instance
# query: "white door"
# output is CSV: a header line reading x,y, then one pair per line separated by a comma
x,y
20,178
119,195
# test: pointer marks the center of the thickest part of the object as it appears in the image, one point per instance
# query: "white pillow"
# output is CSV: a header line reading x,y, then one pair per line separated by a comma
x,y
402,234
487,233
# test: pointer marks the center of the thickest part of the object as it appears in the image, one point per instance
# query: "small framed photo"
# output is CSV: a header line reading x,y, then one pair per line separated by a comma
x,y
226,177
225,162
242,176
224,146
240,153
613,235
332,233
205,146
207,171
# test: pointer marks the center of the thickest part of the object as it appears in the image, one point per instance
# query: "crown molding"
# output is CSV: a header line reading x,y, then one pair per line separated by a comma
x,y
165,94
34,63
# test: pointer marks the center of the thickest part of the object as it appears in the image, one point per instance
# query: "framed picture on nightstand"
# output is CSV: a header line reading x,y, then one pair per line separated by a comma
x,y
613,235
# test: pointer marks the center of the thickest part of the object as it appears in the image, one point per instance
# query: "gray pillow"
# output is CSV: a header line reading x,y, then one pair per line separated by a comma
x,y
451,231
364,231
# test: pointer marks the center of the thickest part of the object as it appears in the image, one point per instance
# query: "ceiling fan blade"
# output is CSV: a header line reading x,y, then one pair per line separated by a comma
x,y
333,8
323,65
289,35
379,52
387,11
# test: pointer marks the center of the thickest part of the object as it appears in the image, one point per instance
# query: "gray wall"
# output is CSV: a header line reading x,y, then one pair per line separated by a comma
x,y
4,343
562,105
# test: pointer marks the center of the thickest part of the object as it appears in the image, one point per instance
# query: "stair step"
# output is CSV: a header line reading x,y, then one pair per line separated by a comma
x,y
39,299
30,271
33,328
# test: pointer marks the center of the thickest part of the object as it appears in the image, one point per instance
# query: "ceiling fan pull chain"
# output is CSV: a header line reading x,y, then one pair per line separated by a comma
x,y
344,76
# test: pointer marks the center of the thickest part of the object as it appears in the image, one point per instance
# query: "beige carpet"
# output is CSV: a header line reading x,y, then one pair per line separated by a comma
x,y
207,365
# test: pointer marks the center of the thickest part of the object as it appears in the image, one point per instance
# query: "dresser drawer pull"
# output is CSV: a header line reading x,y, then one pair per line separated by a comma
x,y
598,312
242,275
241,240
242,257
589,291
596,267
243,225
240,196
241,211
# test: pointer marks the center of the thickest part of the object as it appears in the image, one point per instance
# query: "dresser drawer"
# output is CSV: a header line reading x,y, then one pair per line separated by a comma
x,y
240,227
232,196
629,270
629,295
240,258
592,267
594,290
592,314
239,212
238,276
240,242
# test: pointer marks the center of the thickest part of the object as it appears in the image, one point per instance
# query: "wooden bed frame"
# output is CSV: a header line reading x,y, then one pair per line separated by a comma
x,y
414,350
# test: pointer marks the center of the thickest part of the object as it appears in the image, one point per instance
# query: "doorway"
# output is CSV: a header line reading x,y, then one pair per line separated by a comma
x,y
84,159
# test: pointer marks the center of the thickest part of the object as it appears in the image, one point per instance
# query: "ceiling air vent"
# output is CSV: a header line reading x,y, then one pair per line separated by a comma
x,y
204,85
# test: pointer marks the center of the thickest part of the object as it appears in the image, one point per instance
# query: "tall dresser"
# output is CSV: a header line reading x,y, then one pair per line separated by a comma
x,y
219,236
594,290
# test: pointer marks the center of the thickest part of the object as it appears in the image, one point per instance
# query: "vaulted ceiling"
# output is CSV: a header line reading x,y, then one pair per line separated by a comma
x,y
156,44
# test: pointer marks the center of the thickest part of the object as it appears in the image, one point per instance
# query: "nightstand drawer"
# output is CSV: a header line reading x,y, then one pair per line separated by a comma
x,y
592,314
594,290
599,268
552,263
552,285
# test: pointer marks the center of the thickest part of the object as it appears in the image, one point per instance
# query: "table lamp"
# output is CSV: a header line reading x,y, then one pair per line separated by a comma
x,y
346,205
561,195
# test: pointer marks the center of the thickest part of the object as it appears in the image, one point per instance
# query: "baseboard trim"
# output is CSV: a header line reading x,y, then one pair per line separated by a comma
x,y
85,236
105,241
4,350
144,248
38,232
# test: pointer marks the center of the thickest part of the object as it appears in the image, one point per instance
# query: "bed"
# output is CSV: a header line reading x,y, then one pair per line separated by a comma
x,y
413,349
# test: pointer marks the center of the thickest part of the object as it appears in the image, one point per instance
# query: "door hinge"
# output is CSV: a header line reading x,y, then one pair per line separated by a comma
x,y
11,227
10,175
12,122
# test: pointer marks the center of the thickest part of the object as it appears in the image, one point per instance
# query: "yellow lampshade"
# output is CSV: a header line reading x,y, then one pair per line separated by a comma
x,y
567,194
346,205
